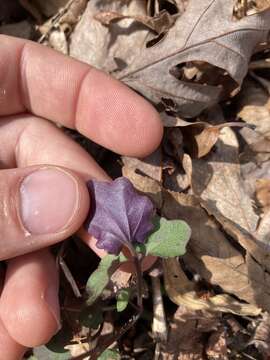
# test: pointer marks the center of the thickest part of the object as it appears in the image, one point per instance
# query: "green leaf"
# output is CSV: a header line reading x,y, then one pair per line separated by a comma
x,y
99,279
43,353
122,298
109,354
55,349
169,238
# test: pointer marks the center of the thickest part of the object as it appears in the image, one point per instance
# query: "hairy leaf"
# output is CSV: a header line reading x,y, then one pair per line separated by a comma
x,y
169,238
122,299
118,214
56,348
109,354
101,276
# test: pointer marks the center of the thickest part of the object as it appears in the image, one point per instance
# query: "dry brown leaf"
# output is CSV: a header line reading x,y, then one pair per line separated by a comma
x,y
58,41
261,337
184,180
254,108
144,184
200,137
223,195
56,30
218,182
211,255
150,166
146,175
252,243
206,140
110,49
205,32
181,291
187,334
159,23
216,348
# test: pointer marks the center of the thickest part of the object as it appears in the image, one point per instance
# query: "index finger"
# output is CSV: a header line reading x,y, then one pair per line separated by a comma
x,y
46,83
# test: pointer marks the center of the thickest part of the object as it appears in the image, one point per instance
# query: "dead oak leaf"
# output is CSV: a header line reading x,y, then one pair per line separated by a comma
x,y
206,32
218,182
211,255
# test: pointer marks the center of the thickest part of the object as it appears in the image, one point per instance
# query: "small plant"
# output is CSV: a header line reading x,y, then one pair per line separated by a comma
x,y
121,218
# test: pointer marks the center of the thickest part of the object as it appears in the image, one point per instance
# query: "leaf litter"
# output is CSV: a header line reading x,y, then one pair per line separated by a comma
x,y
205,66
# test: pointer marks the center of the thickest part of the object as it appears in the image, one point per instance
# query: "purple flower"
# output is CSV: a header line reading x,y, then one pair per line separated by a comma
x,y
118,214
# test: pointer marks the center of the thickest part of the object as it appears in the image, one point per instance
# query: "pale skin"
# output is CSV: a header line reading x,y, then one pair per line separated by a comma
x,y
37,83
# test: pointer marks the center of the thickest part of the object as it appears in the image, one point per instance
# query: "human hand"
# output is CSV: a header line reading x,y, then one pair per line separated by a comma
x,y
42,183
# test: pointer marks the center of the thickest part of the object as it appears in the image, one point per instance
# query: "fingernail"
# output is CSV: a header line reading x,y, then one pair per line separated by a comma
x,y
49,199
51,298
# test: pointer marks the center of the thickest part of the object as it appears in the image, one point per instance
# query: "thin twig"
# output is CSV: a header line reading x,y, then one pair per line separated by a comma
x,y
67,272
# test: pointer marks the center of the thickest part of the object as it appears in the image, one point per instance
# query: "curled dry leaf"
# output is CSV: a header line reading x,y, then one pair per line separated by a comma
x,y
159,23
181,291
201,136
206,33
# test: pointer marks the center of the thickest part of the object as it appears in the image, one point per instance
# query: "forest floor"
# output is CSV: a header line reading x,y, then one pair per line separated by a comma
x,y
205,66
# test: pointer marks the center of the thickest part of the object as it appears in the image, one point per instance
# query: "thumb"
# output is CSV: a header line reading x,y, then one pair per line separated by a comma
x,y
40,206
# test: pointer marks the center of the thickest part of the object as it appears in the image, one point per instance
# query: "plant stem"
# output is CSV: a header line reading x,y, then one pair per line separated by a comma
x,y
138,271
107,342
